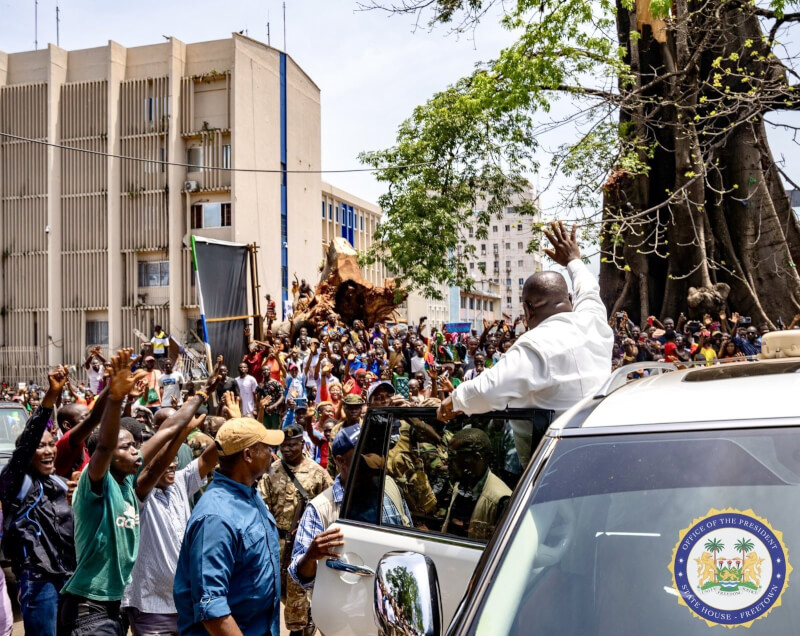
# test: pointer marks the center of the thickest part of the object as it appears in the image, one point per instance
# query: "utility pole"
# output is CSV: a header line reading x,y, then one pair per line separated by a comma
x,y
58,22
268,42
36,24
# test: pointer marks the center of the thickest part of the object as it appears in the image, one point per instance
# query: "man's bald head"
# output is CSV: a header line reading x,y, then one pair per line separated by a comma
x,y
543,295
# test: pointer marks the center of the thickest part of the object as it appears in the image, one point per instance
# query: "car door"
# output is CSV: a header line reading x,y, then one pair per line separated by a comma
x,y
400,464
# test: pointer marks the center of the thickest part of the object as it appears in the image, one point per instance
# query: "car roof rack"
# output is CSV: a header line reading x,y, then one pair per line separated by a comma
x,y
619,378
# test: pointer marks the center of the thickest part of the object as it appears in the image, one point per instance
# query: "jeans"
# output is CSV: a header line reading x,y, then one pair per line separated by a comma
x,y
84,617
38,600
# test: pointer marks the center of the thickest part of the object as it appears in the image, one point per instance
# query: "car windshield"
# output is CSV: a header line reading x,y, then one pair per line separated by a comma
x,y
12,421
656,534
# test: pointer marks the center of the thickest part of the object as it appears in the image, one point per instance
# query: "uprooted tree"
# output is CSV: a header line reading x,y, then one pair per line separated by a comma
x,y
669,163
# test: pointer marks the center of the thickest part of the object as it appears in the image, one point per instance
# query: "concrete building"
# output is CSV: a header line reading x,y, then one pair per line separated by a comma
x,y
504,257
354,219
436,311
95,246
482,303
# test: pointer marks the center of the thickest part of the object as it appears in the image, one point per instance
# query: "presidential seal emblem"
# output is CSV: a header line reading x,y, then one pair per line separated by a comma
x,y
730,567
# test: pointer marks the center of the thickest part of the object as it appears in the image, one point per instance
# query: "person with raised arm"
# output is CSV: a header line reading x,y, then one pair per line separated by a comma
x,y
562,358
38,519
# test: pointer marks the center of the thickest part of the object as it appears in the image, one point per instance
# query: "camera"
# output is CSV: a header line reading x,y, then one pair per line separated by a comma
x,y
620,315
746,320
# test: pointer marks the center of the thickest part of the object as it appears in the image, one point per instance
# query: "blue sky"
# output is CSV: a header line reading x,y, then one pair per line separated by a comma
x,y
372,69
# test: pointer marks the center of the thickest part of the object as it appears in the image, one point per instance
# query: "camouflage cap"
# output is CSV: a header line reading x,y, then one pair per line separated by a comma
x,y
353,400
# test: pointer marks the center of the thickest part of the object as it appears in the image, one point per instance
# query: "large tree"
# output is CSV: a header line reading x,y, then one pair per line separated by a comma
x,y
667,161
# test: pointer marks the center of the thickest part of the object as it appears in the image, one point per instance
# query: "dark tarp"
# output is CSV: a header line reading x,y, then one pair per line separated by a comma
x,y
222,276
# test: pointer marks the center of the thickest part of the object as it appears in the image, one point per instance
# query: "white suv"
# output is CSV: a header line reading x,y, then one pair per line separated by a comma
x,y
663,506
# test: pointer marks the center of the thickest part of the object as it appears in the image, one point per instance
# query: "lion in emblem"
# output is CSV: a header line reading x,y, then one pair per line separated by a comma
x,y
751,569
706,571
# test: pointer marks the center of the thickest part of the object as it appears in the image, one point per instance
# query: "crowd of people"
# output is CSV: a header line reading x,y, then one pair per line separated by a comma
x,y
140,499
684,342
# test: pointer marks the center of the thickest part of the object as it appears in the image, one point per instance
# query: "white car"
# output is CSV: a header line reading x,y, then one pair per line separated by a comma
x,y
392,440
664,506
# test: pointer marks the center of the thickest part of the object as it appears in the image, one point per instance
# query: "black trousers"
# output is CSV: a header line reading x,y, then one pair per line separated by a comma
x,y
84,617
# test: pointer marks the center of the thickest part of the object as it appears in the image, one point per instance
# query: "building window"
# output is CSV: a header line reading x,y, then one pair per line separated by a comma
x,y
520,298
149,109
494,229
226,156
205,215
472,265
361,220
508,264
472,303
508,281
508,246
483,248
194,157
485,304
519,227
508,228
519,245
471,233
463,302
337,212
510,210
521,281
97,332
482,266
491,305
520,263
153,274
497,266
508,301
330,211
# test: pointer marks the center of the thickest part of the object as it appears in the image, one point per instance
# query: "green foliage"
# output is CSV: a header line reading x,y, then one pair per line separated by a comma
x,y
460,158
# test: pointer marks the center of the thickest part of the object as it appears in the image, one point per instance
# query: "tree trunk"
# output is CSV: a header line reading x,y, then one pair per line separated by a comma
x,y
725,223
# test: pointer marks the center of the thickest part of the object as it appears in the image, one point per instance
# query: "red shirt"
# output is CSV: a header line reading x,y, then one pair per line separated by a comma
x,y
254,361
70,459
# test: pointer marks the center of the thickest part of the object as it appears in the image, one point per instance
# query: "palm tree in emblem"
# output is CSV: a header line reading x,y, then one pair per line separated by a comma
x,y
714,546
744,546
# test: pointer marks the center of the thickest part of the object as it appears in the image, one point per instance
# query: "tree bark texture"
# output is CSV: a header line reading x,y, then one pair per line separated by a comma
x,y
709,226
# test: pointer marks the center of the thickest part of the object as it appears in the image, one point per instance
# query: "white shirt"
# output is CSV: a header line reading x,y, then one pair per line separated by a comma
x,y
247,392
163,515
94,379
170,384
564,359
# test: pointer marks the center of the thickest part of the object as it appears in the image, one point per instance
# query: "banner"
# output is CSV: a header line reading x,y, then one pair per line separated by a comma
x,y
222,285
458,327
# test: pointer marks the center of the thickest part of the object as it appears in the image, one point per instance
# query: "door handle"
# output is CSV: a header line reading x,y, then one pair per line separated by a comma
x,y
349,567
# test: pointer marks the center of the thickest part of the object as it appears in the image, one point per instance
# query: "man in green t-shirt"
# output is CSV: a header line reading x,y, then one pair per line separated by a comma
x,y
107,513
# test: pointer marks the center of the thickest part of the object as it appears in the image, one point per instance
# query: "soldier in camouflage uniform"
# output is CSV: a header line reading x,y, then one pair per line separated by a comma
x,y
286,503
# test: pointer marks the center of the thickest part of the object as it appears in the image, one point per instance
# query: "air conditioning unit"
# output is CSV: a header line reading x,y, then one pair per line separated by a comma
x,y
190,186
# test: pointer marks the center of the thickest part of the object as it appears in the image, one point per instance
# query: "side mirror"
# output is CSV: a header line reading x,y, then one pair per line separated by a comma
x,y
407,598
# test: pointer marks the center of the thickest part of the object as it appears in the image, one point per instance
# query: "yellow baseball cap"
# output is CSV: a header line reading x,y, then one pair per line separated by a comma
x,y
237,434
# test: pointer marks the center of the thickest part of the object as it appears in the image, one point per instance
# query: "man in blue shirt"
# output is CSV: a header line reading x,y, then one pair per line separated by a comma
x,y
228,576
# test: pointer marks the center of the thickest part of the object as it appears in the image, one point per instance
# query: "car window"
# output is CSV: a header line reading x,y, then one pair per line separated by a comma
x,y
655,534
453,479
12,421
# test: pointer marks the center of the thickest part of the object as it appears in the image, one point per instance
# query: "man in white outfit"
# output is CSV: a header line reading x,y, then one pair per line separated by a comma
x,y
563,357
